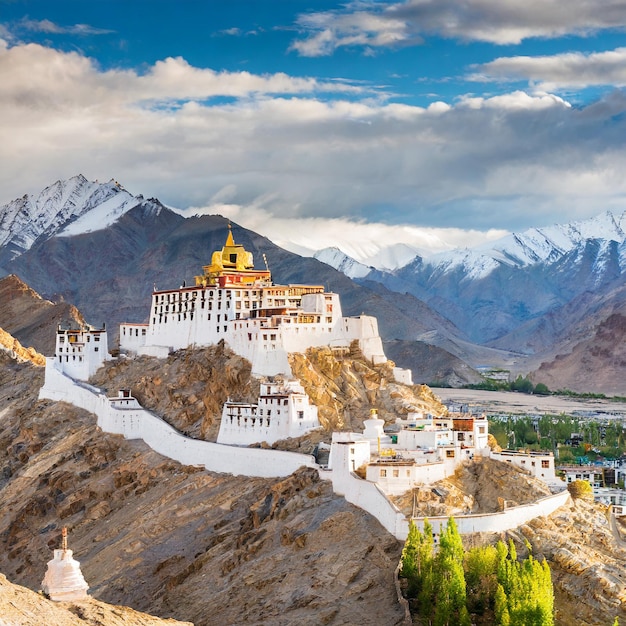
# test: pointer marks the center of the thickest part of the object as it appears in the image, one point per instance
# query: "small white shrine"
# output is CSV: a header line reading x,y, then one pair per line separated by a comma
x,y
64,581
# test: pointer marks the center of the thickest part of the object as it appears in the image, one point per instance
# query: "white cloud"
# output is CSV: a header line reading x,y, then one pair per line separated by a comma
x,y
47,26
505,162
358,239
559,71
377,25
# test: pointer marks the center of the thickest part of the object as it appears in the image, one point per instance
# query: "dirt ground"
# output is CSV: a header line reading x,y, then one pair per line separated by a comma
x,y
513,402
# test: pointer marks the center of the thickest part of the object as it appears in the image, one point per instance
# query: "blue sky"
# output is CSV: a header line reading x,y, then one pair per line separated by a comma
x,y
431,122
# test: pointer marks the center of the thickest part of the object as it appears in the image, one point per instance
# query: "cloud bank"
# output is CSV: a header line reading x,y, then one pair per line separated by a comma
x,y
194,137
376,25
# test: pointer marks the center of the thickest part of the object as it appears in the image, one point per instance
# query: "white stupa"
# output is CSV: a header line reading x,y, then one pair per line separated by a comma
x,y
64,581
373,430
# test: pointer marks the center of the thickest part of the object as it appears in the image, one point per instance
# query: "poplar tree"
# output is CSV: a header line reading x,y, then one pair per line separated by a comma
x,y
450,591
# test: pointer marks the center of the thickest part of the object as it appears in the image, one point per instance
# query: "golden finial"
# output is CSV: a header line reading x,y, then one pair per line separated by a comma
x,y
64,539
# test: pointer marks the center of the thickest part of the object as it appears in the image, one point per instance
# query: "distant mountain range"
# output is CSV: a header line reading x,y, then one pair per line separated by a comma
x,y
516,304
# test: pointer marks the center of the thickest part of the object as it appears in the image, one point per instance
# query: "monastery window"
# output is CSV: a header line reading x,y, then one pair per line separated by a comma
x,y
96,338
329,320
383,473
238,304
80,358
408,473
60,357
300,415
461,436
61,339
224,328
545,463
264,337
74,357
396,473
219,305
249,336
449,454
96,349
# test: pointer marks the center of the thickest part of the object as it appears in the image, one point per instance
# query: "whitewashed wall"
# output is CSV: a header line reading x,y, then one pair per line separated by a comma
x,y
161,437
502,521
140,424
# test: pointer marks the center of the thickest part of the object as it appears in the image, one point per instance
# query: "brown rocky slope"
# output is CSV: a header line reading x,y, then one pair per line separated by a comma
x,y
29,318
177,541
189,388
23,607
217,549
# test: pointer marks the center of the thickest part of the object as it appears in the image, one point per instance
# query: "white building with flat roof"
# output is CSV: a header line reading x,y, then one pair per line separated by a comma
x,y
283,410
79,352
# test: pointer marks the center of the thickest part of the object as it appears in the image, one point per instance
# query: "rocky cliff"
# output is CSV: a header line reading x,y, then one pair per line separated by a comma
x,y
29,318
189,388
177,541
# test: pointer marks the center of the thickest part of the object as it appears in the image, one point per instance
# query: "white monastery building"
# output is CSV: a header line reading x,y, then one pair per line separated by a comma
x,y
283,410
259,320
80,352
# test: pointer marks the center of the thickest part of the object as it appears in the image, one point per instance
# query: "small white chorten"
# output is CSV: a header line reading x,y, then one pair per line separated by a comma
x,y
64,581
373,430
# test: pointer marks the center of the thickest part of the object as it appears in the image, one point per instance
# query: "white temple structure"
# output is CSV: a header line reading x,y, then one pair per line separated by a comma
x,y
259,320
63,581
80,351
283,410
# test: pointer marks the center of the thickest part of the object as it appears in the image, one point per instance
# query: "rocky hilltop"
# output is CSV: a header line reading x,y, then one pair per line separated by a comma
x,y
31,319
189,388
177,541
19,605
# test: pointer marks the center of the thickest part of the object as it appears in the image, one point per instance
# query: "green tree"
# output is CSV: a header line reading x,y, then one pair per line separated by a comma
x,y
522,384
542,389
449,582
580,489
501,608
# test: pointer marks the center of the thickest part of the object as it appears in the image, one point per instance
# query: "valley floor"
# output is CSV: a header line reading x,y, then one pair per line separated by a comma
x,y
512,402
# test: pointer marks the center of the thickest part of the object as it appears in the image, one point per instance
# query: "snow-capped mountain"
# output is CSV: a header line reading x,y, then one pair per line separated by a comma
x,y
535,245
385,258
342,262
67,207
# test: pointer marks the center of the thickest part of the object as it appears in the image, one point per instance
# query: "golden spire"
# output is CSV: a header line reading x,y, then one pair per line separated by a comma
x,y
64,539
229,240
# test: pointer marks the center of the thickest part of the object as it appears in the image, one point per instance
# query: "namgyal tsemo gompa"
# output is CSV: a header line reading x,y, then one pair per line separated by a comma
x,y
259,320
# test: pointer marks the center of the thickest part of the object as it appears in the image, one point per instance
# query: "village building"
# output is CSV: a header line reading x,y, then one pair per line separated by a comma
x,y
259,320
538,464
